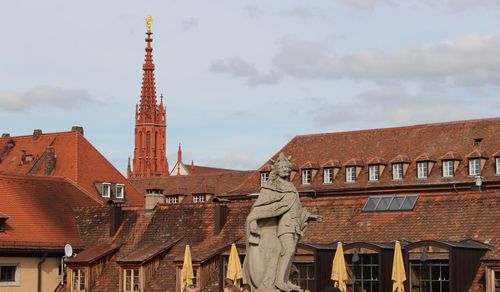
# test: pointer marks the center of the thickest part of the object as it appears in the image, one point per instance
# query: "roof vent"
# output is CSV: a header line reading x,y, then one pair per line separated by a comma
x,y
5,135
77,129
37,133
477,141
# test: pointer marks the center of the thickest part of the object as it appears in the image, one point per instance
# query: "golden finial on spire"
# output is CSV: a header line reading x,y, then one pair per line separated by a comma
x,y
149,23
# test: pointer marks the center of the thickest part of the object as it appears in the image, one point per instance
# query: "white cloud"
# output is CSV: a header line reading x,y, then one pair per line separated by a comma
x,y
397,105
189,23
43,95
237,67
469,60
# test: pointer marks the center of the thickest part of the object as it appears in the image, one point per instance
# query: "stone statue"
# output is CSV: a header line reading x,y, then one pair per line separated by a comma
x,y
275,224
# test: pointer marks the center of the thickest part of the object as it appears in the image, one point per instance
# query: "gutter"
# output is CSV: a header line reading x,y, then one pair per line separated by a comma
x,y
40,263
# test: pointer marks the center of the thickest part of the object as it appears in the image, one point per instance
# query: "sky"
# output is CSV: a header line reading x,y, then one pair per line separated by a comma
x,y
242,78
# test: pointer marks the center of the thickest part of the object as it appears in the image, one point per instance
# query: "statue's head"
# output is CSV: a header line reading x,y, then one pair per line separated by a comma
x,y
281,167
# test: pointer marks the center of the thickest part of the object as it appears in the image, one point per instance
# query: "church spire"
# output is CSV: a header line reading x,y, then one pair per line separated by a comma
x,y
150,153
147,107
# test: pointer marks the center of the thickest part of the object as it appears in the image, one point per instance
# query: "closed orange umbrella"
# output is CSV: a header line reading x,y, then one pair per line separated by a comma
x,y
234,265
398,269
187,274
339,271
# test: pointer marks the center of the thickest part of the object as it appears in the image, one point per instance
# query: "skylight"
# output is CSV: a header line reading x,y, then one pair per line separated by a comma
x,y
390,203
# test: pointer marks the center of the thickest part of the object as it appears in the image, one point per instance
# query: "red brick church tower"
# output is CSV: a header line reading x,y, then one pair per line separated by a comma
x,y
150,157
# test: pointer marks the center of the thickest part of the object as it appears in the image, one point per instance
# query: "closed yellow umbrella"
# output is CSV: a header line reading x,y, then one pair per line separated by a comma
x,y
398,269
234,265
339,272
187,274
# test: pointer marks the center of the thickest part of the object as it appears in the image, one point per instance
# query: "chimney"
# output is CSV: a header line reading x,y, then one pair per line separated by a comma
x,y
5,135
220,217
77,129
11,143
50,160
151,199
37,133
115,216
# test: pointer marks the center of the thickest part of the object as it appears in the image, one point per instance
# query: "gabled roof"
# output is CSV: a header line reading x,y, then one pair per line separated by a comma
x,y
478,153
76,159
93,254
41,211
407,144
451,155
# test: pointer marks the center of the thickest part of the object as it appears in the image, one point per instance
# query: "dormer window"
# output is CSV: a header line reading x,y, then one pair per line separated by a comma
x,y
474,167
78,280
199,198
306,176
448,168
106,190
131,282
374,172
328,175
264,176
397,171
350,174
3,218
422,170
172,199
120,191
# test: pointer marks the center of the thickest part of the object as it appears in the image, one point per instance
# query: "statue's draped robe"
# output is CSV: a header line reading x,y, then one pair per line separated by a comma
x,y
276,198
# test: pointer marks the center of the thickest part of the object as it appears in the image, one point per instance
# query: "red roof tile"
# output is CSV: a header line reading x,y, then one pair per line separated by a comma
x,y
309,165
332,163
425,157
76,159
93,253
354,162
376,160
478,153
451,155
41,211
400,158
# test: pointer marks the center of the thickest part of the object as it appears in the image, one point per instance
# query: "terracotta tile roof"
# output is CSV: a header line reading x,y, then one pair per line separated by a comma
x,y
4,216
198,169
354,162
332,163
76,159
309,165
425,157
220,183
478,153
400,144
41,211
400,158
451,155
450,217
93,253
146,252
376,160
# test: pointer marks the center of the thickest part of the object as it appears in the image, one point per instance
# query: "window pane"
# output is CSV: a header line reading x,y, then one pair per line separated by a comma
x,y
371,204
384,203
396,203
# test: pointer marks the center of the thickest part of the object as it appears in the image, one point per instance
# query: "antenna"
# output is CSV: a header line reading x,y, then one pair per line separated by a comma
x,y
68,250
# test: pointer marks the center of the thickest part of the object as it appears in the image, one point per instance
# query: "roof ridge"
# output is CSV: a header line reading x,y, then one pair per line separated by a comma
x,y
397,127
43,134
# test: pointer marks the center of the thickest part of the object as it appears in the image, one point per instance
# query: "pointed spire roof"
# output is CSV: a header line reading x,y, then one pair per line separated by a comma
x,y
147,105
179,153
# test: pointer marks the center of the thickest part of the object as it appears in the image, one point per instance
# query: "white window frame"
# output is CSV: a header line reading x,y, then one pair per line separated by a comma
x,y
16,275
350,174
328,175
497,165
172,199
120,194
448,168
77,275
200,198
374,172
474,166
397,171
422,169
103,188
133,278
264,176
306,176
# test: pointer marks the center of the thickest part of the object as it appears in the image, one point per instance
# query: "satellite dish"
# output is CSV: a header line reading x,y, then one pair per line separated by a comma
x,y
68,250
